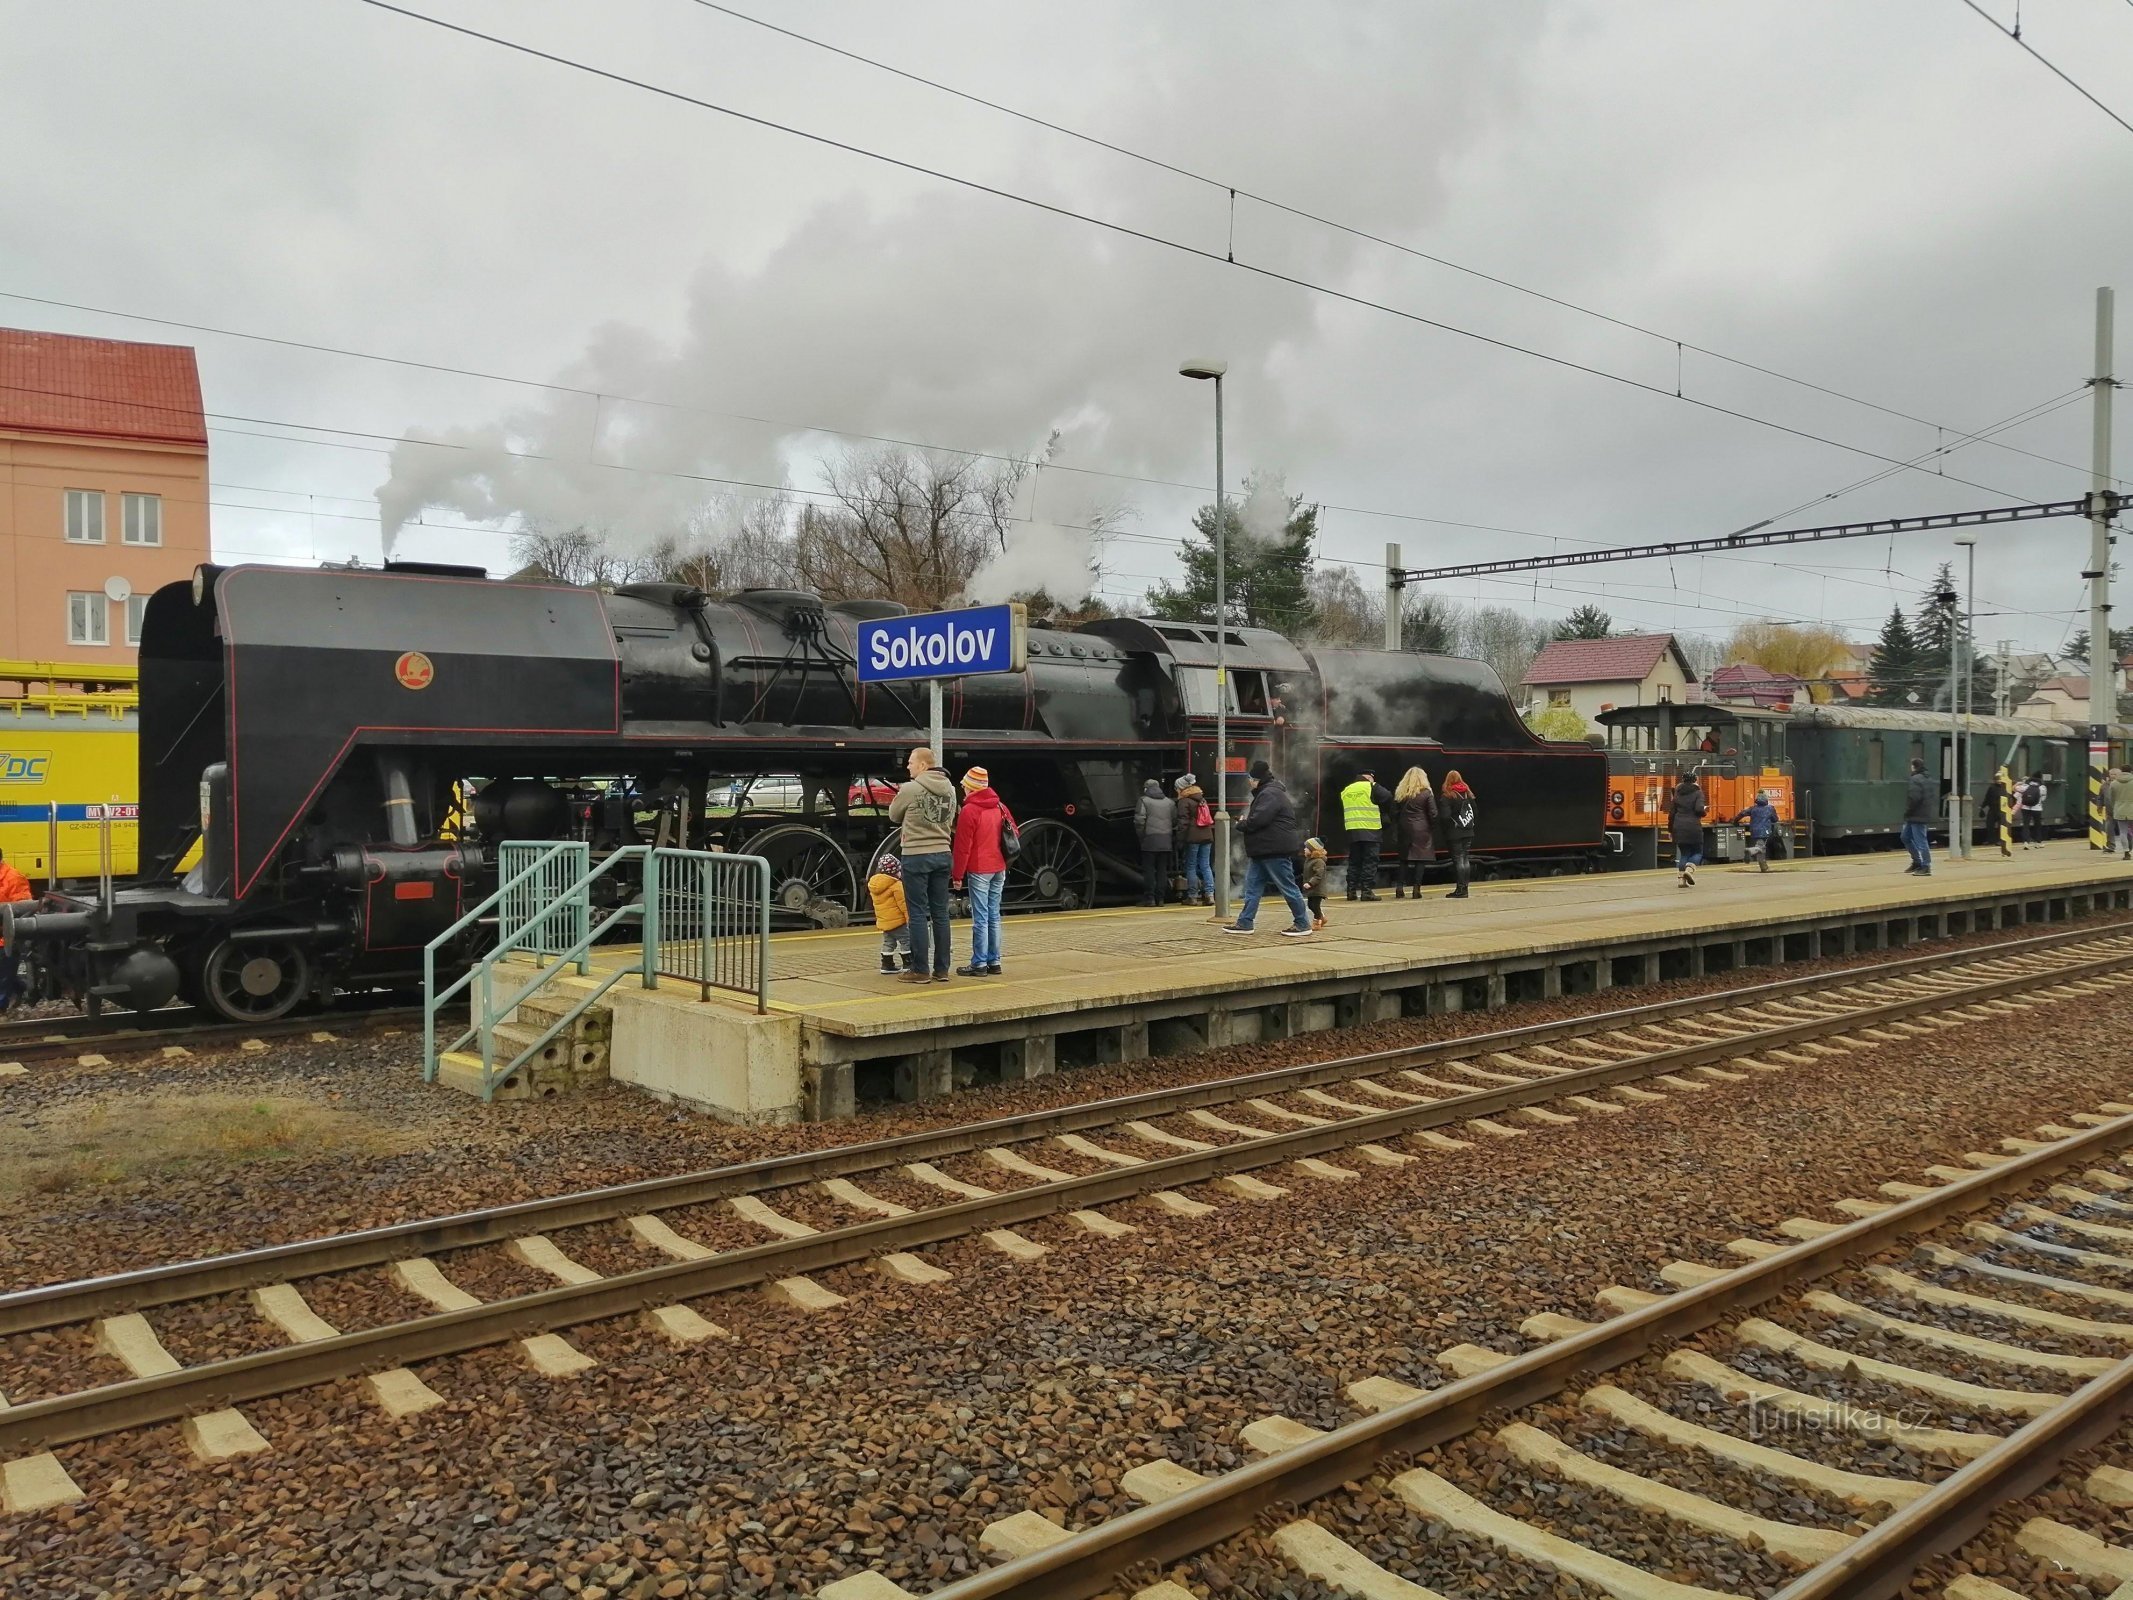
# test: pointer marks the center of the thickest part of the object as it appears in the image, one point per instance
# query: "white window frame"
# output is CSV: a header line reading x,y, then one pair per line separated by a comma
x,y
89,621
136,612
84,498
151,508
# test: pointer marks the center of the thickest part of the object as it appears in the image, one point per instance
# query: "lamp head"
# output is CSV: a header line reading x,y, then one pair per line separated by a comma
x,y
1203,369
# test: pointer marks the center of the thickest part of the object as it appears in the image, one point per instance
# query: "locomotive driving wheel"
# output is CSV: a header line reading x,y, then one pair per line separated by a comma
x,y
259,982
1055,870
810,875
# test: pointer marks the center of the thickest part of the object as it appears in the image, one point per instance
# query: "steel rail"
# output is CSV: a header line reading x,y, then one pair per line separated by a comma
x,y
49,1305
61,1419
41,1038
1088,1563
1882,1561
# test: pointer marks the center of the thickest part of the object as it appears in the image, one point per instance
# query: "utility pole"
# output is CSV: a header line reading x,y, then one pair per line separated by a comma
x,y
2002,671
2103,675
1958,835
1392,597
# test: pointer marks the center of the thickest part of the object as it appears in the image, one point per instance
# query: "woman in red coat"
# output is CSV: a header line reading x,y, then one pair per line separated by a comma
x,y
980,862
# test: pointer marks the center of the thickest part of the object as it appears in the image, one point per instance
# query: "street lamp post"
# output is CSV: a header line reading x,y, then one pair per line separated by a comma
x,y
1965,686
1215,370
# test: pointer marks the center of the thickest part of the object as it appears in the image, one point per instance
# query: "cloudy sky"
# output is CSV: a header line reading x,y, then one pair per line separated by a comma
x,y
1893,202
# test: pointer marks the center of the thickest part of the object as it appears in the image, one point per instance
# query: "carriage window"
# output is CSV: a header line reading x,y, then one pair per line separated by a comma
x,y
1251,692
1874,759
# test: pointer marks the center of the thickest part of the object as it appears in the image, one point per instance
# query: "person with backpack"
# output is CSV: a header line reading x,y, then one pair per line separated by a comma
x,y
2029,812
1196,842
1761,820
1458,813
1155,824
978,867
1418,819
1684,820
1272,841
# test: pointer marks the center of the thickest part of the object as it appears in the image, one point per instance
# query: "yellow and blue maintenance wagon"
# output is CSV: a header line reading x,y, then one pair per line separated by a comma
x,y
69,737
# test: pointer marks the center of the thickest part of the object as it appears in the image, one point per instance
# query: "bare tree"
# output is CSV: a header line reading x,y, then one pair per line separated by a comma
x,y
906,525
1507,640
725,550
579,555
1343,611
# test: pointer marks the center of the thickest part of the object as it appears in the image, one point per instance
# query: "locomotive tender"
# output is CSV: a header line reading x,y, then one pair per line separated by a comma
x,y
313,733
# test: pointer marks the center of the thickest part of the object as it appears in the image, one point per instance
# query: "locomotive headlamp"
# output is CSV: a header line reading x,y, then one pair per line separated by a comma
x,y
199,584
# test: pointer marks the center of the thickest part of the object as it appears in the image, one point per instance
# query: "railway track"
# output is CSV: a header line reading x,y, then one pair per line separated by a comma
x,y
1487,1086
2064,1400
177,1031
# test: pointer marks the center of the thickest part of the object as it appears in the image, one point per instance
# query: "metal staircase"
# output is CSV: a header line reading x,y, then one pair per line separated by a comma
x,y
700,915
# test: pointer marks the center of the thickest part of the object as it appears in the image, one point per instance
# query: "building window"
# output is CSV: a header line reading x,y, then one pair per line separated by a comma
x,y
85,516
143,518
136,608
1666,693
88,619
1558,697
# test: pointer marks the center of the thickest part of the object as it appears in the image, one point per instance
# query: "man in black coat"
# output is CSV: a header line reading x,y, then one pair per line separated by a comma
x,y
1918,800
1273,839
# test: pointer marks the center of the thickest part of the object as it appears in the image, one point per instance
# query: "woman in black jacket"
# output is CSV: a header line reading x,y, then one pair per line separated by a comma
x,y
1684,819
1457,812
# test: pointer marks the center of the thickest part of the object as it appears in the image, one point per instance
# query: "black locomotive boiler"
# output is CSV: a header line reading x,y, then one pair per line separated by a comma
x,y
318,734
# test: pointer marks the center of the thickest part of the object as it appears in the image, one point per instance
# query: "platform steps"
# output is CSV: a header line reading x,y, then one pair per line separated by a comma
x,y
574,1060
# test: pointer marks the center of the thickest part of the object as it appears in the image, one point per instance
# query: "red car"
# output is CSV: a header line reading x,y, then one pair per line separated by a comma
x,y
870,792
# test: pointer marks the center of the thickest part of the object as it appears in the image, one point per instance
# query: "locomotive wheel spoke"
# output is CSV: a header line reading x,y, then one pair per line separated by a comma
x,y
255,982
1055,869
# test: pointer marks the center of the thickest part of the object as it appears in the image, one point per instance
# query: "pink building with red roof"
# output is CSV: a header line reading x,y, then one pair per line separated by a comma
x,y
1594,675
103,490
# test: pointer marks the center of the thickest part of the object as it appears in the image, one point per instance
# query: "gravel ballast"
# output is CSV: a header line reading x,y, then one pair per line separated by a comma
x,y
887,1434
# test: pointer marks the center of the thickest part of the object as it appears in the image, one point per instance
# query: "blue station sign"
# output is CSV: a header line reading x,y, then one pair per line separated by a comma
x,y
943,644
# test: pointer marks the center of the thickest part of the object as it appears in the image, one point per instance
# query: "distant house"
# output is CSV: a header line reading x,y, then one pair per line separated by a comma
x,y
1743,683
1594,675
2066,697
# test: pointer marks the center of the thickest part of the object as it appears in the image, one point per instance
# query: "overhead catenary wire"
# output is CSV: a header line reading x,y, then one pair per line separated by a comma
x,y
1236,191
757,490
1126,230
2050,66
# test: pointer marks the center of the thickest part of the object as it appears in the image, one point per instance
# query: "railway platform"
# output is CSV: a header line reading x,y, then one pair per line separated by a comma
x,y
1082,988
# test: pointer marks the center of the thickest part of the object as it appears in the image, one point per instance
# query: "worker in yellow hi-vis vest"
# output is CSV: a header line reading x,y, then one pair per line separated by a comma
x,y
1362,815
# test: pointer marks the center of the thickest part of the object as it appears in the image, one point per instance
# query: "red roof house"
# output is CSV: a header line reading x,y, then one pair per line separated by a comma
x,y
103,490
1594,675
59,383
1745,683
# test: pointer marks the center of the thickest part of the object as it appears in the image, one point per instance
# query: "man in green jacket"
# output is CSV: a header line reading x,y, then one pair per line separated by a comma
x,y
1362,815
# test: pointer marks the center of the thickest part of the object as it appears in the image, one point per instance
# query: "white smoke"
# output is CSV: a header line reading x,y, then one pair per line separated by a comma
x,y
1263,514
1060,561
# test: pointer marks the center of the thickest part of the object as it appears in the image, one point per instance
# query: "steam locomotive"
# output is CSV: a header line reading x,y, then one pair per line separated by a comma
x,y
347,748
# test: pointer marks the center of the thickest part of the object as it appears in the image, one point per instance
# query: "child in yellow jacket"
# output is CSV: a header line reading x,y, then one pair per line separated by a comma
x,y
886,884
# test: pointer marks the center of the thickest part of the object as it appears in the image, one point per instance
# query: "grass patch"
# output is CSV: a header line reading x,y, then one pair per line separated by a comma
x,y
143,1137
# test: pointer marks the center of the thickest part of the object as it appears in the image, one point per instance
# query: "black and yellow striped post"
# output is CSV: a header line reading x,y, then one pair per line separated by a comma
x,y
2099,825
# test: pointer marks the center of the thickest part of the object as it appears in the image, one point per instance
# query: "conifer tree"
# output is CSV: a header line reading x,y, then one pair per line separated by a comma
x,y
1892,673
